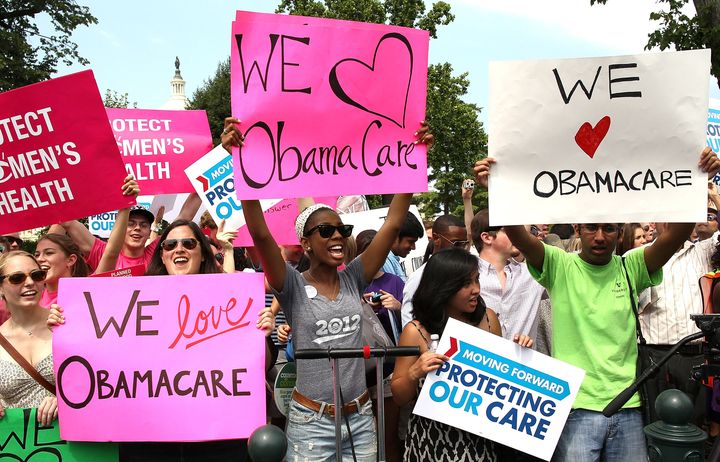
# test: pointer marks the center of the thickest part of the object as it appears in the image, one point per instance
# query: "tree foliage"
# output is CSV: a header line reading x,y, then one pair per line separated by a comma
x,y
114,99
460,140
687,32
214,97
29,54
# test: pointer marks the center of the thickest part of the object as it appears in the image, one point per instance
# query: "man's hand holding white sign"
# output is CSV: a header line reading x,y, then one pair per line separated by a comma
x,y
499,390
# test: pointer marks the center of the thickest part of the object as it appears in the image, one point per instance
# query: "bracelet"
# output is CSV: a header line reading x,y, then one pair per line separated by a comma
x,y
155,228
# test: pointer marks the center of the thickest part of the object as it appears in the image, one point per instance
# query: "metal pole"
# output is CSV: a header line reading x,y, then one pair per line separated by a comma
x,y
379,363
338,410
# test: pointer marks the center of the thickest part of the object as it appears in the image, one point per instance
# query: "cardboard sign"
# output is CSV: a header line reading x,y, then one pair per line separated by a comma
x,y
137,270
157,146
713,129
59,159
499,390
598,139
214,180
328,107
102,224
148,357
23,439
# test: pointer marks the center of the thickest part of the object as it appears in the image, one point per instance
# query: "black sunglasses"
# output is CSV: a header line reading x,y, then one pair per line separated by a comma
x,y
326,231
37,275
188,243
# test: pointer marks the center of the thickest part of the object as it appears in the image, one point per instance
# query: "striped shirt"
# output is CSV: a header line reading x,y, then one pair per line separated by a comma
x,y
666,308
516,305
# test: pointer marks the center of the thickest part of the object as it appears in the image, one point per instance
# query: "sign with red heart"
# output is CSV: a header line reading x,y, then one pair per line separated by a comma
x,y
599,139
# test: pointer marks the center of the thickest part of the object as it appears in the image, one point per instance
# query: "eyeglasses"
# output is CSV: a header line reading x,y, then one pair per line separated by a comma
x,y
711,217
142,224
326,231
593,228
37,275
456,243
188,243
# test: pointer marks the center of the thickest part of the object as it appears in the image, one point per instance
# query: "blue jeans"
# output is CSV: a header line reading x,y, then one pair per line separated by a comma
x,y
311,435
589,436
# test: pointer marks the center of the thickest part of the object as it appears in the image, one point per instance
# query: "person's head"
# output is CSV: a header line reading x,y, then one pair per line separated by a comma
x,y
449,231
598,241
292,254
363,240
632,235
60,257
563,230
183,249
410,231
707,228
21,280
208,225
449,286
14,241
539,231
138,228
4,245
489,238
323,235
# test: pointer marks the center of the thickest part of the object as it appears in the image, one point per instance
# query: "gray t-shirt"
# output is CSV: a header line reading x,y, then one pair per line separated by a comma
x,y
320,323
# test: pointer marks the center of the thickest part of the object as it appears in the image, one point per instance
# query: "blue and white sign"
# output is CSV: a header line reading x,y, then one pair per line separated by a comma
x,y
102,224
499,390
713,129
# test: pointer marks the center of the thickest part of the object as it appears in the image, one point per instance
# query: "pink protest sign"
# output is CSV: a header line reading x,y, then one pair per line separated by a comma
x,y
280,218
157,146
59,158
160,358
327,107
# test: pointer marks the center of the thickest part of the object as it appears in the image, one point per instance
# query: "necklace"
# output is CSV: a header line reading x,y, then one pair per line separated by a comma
x,y
335,287
28,332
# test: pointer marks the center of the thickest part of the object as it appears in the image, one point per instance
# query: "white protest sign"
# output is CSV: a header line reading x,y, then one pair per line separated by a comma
x,y
499,390
213,179
102,224
374,219
611,139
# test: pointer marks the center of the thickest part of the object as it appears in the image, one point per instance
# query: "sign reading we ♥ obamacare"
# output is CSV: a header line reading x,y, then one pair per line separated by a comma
x,y
499,390
160,358
157,146
596,140
327,107
58,154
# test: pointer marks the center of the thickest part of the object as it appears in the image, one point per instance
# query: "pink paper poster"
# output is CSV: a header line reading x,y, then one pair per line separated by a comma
x,y
327,107
160,358
59,159
157,146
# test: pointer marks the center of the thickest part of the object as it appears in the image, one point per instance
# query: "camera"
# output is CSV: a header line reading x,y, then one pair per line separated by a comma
x,y
469,184
375,297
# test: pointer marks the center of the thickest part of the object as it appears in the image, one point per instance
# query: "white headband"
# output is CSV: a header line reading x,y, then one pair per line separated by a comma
x,y
302,219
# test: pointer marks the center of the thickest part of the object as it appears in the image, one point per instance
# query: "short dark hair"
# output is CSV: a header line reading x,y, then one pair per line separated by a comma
x,y
208,265
411,227
481,224
448,271
363,240
444,222
563,230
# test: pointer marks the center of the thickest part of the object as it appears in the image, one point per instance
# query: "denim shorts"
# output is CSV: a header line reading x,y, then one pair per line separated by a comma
x,y
311,435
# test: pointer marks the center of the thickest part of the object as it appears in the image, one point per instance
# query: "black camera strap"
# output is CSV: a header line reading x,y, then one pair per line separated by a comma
x,y
638,330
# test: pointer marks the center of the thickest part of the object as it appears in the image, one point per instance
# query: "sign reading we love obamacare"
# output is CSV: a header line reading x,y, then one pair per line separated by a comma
x,y
160,358
598,139
499,390
213,178
327,107
59,159
22,438
157,146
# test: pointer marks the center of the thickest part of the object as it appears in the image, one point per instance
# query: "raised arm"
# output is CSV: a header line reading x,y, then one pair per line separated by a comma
x,y
190,207
525,242
80,235
225,238
117,235
467,205
660,251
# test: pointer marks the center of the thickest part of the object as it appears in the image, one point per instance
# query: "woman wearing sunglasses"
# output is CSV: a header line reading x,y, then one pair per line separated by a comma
x,y
21,286
323,307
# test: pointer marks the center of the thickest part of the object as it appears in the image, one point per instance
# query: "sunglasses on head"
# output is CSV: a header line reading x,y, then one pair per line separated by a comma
x,y
326,231
37,275
188,243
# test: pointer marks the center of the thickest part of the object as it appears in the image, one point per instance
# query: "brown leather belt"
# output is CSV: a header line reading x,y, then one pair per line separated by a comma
x,y
348,408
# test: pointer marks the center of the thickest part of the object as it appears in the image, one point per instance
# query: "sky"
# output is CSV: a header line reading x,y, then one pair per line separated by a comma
x,y
132,49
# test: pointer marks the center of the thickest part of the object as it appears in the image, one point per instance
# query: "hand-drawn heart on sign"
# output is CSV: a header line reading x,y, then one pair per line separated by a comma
x,y
43,455
385,71
589,137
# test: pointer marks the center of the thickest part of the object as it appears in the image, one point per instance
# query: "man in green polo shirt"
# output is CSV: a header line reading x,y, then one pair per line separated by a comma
x,y
594,325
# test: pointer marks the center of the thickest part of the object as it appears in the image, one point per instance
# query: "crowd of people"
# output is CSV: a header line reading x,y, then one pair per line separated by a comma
x,y
596,295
